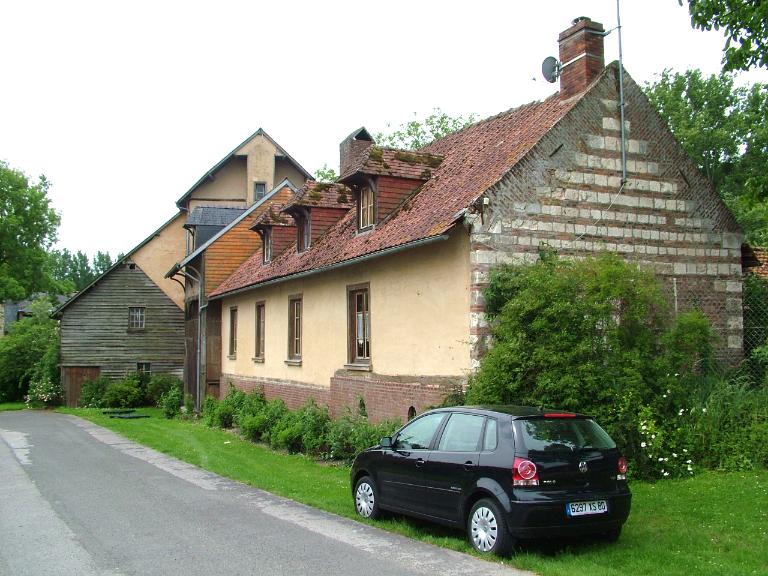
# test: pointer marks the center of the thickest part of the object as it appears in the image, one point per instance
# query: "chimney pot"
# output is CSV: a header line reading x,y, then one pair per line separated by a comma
x,y
581,56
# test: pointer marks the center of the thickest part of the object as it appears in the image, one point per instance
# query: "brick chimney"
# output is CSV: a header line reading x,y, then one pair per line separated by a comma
x,y
581,56
352,148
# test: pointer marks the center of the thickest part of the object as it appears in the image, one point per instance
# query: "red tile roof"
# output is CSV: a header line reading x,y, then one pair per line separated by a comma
x,y
381,161
473,159
323,195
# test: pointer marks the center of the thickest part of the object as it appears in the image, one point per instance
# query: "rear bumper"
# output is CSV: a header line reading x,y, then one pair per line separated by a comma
x,y
546,518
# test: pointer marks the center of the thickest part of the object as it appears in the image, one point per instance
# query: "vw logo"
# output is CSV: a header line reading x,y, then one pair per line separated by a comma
x,y
583,467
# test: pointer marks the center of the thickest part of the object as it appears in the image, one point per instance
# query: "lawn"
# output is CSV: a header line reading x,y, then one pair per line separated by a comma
x,y
5,406
713,523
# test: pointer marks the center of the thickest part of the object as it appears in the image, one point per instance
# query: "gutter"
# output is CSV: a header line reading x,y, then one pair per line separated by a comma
x,y
343,264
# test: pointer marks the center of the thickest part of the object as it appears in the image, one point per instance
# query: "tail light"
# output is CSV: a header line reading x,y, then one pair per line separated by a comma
x,y
524,473
622,470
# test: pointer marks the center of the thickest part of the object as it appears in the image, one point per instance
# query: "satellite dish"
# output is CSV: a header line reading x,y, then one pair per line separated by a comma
x,y
550,69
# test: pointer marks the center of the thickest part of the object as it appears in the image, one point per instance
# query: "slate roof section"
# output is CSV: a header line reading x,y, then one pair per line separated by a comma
x,y
213,216
382,161
474,159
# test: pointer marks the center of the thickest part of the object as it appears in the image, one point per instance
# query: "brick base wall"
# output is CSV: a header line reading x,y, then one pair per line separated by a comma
x,y
385,397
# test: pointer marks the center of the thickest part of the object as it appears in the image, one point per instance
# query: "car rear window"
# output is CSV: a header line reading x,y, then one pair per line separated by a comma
x,y
562,434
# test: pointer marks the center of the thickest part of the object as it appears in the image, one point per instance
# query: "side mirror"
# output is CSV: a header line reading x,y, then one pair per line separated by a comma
x,y
386,442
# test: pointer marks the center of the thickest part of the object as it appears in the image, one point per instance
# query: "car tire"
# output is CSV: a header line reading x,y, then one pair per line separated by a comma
x,y
487,528
367,498
612,535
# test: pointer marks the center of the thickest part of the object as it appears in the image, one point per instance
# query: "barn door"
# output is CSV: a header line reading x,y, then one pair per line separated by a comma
x,y
73,378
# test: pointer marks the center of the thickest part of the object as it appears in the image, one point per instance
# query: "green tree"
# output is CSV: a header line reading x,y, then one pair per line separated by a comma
x,y
74,272
326,174
745,24
101,263
28,227
418,133
724,128
30,349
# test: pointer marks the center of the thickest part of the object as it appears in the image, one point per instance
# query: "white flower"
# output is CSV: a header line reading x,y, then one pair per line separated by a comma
x,y
666,473
666,459
690,469
661,459
704,410
687,461
642,444
668,390
663,395
676,374
680,413
674,455
643,427
653,436
684,450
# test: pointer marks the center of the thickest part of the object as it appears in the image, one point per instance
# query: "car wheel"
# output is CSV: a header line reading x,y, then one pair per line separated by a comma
x,y
367,498
487,528
612,535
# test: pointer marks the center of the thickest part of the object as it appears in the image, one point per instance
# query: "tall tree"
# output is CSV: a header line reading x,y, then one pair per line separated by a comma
x,y
725,130
418,133
28,227
745,23
102,262
74,271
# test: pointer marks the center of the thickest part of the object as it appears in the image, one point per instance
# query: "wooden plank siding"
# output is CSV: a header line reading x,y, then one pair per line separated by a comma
x,y
390,192
236,245
94,329
322,219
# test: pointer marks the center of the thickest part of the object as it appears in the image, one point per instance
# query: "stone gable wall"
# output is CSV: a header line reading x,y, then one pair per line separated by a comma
x,y
566,194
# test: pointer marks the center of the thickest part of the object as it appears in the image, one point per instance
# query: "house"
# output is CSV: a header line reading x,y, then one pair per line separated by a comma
x,y
130,319
136,317
221,207
383,302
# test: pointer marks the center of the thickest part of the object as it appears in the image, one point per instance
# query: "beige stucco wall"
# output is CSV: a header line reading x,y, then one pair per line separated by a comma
x,y
419,301
285,169
158,255
228,185
259,153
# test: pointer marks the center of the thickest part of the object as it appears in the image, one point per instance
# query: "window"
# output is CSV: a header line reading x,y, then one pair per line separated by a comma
x,y
302,225
462,433
143,368
490,441
137,316
259,190
419,433
367,208
359,326
267,245
259,352
294,328
232,332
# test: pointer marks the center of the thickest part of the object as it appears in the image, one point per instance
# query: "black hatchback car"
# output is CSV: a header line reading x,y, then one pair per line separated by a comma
x,y
502,472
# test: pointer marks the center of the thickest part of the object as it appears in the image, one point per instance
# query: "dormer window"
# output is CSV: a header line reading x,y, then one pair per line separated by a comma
x,y
267,245
367,209
302,225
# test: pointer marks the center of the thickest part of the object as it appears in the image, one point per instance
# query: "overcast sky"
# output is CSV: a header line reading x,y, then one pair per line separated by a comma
x,y
124,105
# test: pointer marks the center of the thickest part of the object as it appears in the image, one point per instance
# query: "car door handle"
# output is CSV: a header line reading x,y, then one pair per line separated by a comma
x,y
468,465
419,462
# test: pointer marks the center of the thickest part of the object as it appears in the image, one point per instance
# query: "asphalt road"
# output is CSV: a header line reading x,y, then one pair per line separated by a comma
x,y
78,499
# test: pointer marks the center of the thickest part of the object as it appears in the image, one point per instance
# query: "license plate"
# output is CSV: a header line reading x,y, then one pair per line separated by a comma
x,y
586,508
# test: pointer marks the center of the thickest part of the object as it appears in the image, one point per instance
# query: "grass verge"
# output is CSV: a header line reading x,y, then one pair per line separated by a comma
x,y
710,524
5,406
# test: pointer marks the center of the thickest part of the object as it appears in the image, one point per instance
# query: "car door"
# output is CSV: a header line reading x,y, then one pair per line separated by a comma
x,y
452,466
401,476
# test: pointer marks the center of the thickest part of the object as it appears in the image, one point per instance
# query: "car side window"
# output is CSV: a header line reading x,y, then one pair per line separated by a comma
x,y
419,433
462,433
491,439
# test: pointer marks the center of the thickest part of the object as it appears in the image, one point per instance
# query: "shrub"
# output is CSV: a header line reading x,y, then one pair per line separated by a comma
x,y
251,404
126,393
209,410
260,426
30,349
350,435
92,392
303,430
171,400
44,392
225,415
158,385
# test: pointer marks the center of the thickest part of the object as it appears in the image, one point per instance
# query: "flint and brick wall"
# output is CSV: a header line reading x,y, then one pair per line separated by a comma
x,y
567,195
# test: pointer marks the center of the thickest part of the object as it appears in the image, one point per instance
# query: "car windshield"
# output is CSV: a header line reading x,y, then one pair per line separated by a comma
x,y
562,434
